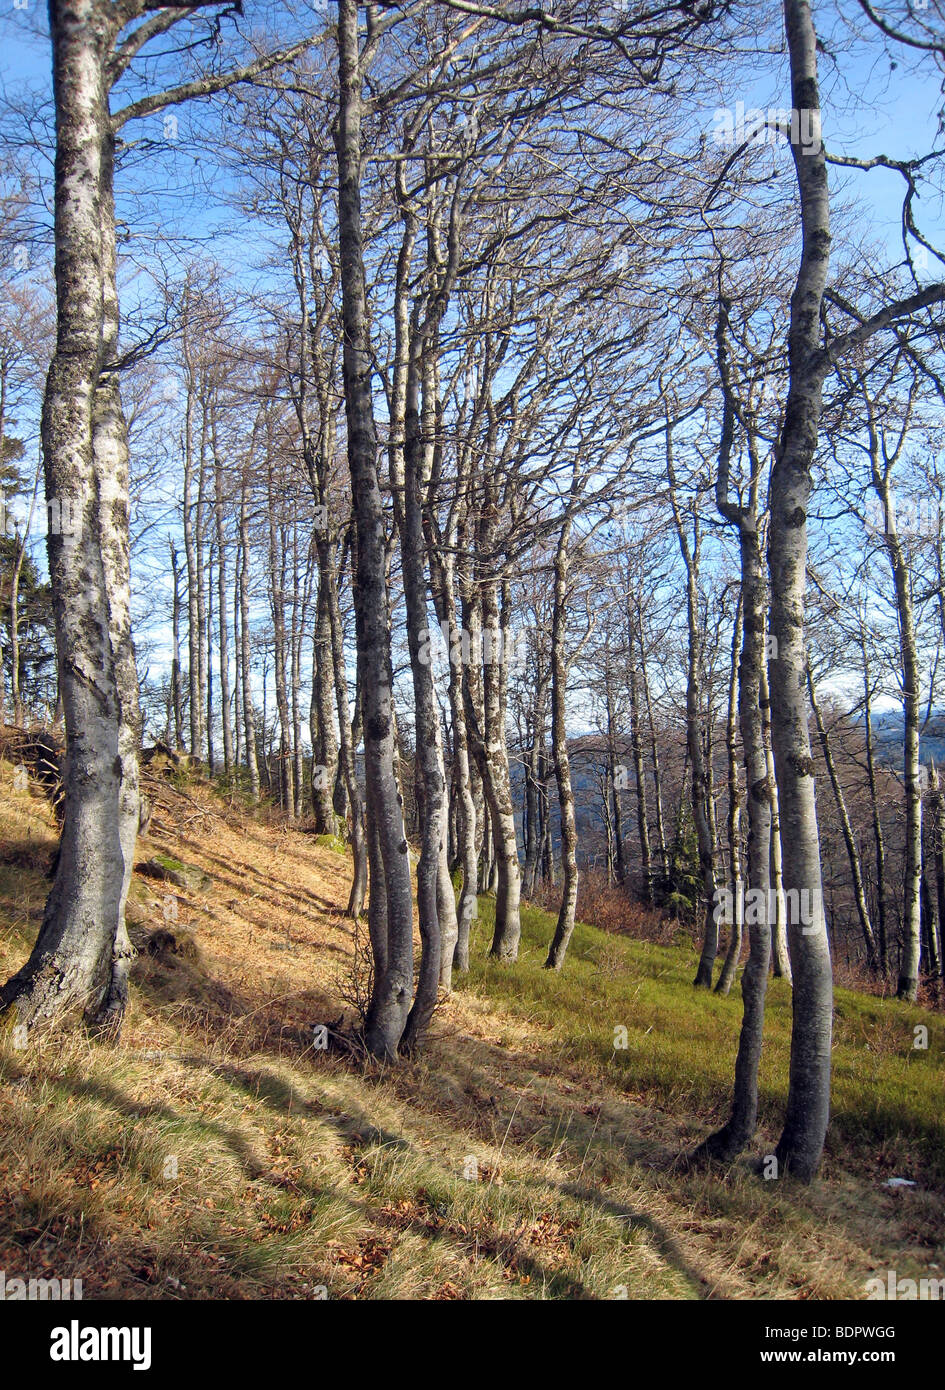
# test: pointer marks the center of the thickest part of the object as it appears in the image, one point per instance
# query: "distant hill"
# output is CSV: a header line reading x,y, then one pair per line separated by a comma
x,y
888,730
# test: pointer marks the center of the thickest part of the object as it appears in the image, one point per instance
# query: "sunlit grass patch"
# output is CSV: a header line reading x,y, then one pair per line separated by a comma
x,y
216,1153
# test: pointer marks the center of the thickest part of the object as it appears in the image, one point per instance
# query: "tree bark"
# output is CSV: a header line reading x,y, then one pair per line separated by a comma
x,y
937,825
347,737
849,840
82,954
739,1129
427,720
700,789
391,911
177,708
559,743
908,983
219,508
190,549
249,720
879,843
734,950
801,1143
467,908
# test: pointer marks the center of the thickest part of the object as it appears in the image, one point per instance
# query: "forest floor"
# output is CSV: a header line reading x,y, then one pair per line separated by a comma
x,y
215,1152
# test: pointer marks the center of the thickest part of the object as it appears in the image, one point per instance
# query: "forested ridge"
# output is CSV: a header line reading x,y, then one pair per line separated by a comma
x,y
472,520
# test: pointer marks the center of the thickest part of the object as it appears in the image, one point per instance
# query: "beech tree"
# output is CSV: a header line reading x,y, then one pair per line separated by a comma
x,y
82,955
800,1146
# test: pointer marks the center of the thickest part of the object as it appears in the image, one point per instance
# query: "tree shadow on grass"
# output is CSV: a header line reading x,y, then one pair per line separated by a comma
x,y
264,1085
236,876
356,1129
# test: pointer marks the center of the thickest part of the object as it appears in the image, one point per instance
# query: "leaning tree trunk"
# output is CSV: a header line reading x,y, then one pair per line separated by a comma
x,y
738,1131
559,745
432,781
347,741
82,954
801,1144
741,1125
391,907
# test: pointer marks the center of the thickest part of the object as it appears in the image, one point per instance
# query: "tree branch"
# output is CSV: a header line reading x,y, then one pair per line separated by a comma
x,y
207,86
892,314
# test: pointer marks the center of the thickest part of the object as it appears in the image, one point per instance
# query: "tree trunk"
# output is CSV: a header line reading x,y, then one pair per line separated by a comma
x,y
19,556
432,781
808,1105
908,984
559,744
468,907
348,740
636,753
654,758
211,765
878,838
82,954
849,840
780,958
700,788
277,565
177,708
200,596
734,950
532,788
488,741
729,1141
219,506
324,745
937,824
249,721
498,782
190,553
391,908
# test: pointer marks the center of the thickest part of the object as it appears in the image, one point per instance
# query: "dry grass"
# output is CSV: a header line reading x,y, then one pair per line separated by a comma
x,y
215,1152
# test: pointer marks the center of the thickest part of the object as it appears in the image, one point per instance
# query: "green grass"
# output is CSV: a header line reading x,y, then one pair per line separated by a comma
x,y
681,1042
167,861
333,842
294,1170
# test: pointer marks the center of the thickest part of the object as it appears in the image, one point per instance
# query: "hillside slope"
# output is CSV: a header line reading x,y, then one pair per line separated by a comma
x,y
217,1152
